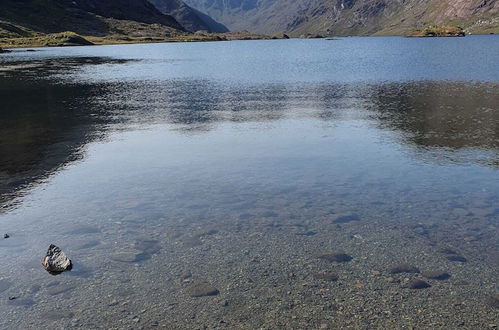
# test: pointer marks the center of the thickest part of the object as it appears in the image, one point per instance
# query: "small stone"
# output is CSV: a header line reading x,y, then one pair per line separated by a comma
x,y
417,284
113,303
208,232
147,246
493,301
306,233
337,256
225,303
447,251
436,275
346,218
6,236
329,277
186,275
202,289
24,302
56,261
125,256
391,280
456,258
56,315
404,268
12,298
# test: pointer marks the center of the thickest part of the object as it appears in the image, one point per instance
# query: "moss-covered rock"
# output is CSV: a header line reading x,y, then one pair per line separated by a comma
x,y
66,39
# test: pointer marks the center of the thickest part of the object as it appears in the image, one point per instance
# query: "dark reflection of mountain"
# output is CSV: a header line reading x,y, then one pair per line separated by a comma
x,y
44,125
449,115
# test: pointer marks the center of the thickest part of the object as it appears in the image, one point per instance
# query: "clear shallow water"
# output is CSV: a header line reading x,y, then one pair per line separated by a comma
x,y
231,161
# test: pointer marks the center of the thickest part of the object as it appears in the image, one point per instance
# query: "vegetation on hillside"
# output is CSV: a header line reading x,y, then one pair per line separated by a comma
x,y
439,31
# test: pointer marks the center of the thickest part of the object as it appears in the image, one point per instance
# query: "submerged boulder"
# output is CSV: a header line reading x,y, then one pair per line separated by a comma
x,y
56,261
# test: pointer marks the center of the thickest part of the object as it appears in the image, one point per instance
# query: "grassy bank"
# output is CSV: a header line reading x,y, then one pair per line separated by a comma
x,y
73,39
439,31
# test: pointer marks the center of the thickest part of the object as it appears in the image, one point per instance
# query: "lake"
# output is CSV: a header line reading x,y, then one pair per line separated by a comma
x,y
284,184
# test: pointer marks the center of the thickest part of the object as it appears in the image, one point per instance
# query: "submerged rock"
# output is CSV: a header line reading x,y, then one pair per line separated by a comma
x,y
345,218
456,258
6,236
130,256
417,284
306,233
56,261
202,289
335,256
493,301
329,277
24,302
436,275
404,268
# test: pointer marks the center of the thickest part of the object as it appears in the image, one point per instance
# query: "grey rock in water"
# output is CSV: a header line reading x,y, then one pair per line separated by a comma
x,y
56,261
456,258
328,277
202,289
335,256
404,268
6,236
436,275
417,284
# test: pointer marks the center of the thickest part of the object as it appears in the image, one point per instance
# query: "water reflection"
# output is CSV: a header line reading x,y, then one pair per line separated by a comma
x,y
44,124
47,122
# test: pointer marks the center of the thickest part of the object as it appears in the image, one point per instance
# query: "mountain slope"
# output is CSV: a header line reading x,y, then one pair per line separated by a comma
x,y
350,17
192,19
86,17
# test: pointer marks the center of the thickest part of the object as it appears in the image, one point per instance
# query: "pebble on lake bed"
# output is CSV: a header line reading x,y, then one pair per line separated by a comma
x,y
330,277
417,284
202,289
404,268
494,301
345,218
436,275
56,261
337,256
456,258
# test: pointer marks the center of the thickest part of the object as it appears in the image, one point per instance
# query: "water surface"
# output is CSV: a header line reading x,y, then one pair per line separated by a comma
x,y
156,167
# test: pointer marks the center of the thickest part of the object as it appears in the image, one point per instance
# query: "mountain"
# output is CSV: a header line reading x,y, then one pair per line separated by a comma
x,y
350,17
87,17
191,19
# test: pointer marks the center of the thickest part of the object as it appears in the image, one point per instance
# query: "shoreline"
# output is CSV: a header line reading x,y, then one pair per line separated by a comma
x,y
7,45
68,39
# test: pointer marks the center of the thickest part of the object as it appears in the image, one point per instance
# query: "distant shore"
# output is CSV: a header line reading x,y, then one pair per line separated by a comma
x,y
65,39
72,39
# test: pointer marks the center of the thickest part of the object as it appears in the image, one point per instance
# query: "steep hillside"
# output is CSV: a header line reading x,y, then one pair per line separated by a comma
x,y
190,18
88,17
351,17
